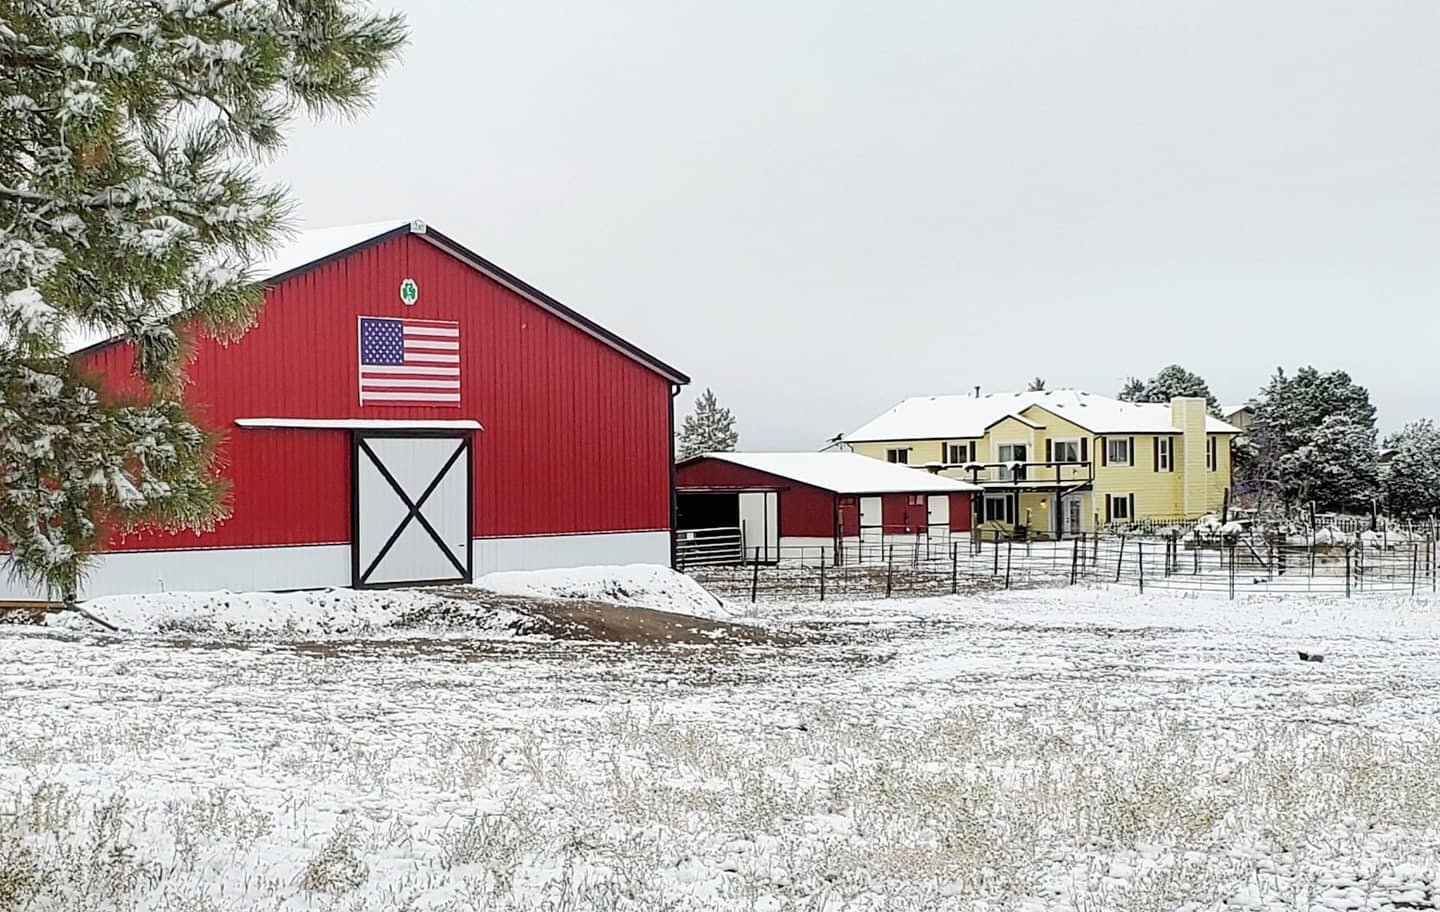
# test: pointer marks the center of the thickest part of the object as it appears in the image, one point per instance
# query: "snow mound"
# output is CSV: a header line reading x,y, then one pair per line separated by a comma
x,y
330,611
639,585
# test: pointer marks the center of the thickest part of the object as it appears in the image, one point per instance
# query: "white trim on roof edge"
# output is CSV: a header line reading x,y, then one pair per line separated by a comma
x,y
363,424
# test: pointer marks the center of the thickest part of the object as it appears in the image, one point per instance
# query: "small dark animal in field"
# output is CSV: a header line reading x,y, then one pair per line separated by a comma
x,y
1311,657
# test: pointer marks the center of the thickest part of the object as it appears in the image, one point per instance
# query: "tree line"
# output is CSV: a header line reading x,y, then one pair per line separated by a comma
x,y
1313,440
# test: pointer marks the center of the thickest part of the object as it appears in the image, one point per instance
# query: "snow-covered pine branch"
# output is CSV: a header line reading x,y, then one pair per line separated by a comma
x,y
131,133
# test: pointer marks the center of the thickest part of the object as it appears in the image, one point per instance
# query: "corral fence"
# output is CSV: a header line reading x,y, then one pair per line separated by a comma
x,y
1228,564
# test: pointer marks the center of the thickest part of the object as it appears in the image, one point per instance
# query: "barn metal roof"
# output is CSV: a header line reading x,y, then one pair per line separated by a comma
x,y
846,473
311,249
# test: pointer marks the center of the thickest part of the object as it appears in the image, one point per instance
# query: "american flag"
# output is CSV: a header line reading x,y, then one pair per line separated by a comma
x,y
409,362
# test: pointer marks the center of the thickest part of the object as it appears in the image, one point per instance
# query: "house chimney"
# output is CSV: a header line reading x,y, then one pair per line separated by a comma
x,y
1187,415
977,391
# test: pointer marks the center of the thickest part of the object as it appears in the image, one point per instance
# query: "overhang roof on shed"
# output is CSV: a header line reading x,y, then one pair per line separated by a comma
x,y
311,249
845,473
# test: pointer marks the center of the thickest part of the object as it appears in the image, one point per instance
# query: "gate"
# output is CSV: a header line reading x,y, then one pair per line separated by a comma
x,y
411,508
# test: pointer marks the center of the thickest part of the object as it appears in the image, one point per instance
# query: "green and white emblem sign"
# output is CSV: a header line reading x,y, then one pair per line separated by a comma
x,y
409,291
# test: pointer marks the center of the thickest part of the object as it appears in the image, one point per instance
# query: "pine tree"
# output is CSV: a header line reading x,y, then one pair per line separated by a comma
x,y
708,429
1037,385
131,136
1313,436
1171,382
1411,480
1337,468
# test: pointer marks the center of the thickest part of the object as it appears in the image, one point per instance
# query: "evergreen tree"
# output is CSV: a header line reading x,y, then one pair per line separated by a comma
x,y
1313,435
1411,480
708,429
1337,467
1037,385
131,136
1171,382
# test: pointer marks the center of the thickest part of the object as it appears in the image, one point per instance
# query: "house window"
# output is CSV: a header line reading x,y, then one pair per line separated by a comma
x,y
917,500
898,455
1164,453
1117,450
957,453
1012,453
1066,451
999,508
1119,507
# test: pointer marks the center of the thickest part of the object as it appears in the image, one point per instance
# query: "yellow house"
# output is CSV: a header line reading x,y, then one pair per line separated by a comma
x,y
1063,461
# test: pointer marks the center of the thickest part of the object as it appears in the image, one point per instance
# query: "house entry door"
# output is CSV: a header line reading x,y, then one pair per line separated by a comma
x,y
1072,514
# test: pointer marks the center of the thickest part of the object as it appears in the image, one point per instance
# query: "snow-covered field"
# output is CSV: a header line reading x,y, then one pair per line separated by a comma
x,y
1087,749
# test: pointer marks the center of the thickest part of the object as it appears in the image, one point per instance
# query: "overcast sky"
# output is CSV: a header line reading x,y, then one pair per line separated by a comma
x,y
820,208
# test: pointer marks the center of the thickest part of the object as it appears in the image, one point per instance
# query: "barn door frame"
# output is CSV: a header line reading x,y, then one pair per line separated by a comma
x,y
359,449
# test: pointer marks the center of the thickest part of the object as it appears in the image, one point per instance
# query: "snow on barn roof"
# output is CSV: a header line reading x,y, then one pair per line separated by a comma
x,y
309,249
940,417
846,473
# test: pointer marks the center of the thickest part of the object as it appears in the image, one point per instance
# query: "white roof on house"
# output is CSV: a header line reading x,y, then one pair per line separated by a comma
x,y
941,417
1236,407
847,473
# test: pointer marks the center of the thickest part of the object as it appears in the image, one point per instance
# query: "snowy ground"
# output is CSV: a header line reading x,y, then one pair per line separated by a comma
x,y
1085,749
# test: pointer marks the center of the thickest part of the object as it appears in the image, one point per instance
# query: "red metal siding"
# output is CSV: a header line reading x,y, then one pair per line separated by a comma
x,y
576,434
803,510
961,514
901,516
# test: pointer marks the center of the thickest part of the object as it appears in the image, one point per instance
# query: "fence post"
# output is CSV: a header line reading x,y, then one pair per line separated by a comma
x,y
890,572
996,571
1414,565
1140,557
1360,567
755,575
1009,547
1232,569
954,568
1347,569
1120,560
1074,561
1196,552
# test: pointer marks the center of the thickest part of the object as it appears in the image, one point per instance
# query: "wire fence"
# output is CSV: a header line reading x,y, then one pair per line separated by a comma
x,y
1225,564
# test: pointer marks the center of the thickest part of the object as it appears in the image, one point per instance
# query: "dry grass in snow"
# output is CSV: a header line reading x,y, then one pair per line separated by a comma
x,y
1078,749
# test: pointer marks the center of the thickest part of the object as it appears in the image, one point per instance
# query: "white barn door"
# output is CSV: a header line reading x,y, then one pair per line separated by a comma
x,y
760,524
411,506
872,528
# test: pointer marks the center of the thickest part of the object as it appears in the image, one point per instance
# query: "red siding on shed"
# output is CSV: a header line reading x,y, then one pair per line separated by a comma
x,y
802,510
961,515
576,434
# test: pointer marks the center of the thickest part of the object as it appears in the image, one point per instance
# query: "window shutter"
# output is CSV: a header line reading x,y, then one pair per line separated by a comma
x,y
1084,453
1156,445
1107,508
1171,444
1104,460
1049,450
1131,505
972,451
1132,451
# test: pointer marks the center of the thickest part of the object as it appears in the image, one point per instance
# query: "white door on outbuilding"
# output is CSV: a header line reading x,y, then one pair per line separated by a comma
x,y
872,526
938,509
760,525
411,503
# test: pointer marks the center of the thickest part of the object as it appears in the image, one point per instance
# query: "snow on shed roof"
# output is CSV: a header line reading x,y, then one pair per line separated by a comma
x,y
846,473
939,417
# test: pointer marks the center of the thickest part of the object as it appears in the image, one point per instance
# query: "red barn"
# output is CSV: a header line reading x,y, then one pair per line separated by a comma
x,y
406,411
785,505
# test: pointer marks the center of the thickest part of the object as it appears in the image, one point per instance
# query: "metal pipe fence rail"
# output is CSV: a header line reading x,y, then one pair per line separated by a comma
x,y
997,562
1223,565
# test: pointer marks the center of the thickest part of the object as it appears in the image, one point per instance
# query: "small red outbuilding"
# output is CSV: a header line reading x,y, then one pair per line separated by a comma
x,y
784,505
406,411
